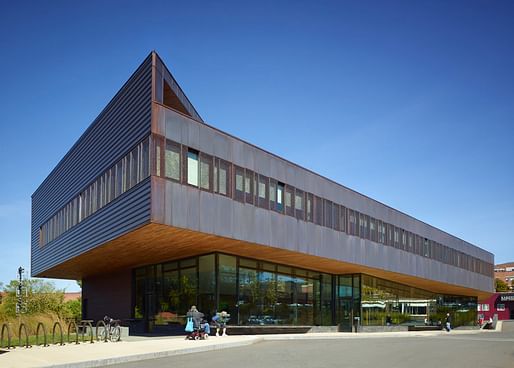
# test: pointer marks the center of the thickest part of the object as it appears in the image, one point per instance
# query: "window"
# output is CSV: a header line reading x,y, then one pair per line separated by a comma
x,y
500,307
342,221
426,250
272,194
298,204
192,167
352,222
280,198
262,192
249,186
172,160
205,171
373,229
335,217
239,184
309,207
328,213
134,170
396,237
289,194
223,177
318,210
404,240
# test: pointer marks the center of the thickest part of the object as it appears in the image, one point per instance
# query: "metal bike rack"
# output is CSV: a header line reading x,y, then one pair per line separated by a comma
x,y
100,322
83,325
24,328
72,323
5,327
57,324
39,326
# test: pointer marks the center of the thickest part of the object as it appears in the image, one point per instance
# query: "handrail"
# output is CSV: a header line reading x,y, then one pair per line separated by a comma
x,y
57,324
72,323
27,345
5,326
39,325
100,322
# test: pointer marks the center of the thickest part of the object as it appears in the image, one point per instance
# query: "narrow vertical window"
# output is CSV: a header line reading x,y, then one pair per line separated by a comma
x,y
192,167
309,207
205,171
288,200
298,204
328,213
224,178
342,214
335,217
239,184
145,167
272,193
318,211
262,192
249,186
280,198
172,160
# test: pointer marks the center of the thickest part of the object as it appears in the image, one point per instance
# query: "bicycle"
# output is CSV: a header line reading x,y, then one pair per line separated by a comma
x,y
112,330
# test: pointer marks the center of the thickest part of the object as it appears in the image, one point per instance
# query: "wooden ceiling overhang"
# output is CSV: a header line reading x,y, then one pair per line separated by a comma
x,y
155,243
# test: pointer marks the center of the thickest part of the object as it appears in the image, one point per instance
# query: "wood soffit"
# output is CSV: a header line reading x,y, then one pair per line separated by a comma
x,y
156,243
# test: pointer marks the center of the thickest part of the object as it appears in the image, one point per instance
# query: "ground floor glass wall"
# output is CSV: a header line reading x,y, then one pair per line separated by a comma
x,y
263,293
388,303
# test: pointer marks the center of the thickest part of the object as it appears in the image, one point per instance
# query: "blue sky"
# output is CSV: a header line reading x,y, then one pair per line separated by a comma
x,y
411,103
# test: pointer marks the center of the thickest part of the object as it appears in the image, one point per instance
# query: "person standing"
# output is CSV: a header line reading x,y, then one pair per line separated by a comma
x,y
196,316
448,322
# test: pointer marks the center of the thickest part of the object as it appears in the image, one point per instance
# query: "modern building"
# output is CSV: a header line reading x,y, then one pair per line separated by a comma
x,y
155,210
505,272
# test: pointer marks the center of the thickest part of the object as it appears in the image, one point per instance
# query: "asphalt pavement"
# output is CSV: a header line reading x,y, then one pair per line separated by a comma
x,y
491,350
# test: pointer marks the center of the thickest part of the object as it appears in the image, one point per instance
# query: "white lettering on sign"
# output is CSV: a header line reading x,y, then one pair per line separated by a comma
x,y
507,298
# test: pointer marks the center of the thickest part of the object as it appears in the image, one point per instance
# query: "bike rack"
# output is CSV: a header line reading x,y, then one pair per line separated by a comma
x,y
24,328
83,325
5,327
39,325
72,323
57,324
100,322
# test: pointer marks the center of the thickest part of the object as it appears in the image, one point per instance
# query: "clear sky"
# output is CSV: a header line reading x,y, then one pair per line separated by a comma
x,y
409,102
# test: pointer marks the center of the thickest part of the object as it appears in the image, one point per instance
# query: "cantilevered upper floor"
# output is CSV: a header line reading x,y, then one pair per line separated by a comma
x,y
149,181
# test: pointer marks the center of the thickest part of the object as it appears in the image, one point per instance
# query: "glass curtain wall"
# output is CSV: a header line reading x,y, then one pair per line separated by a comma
x,y
262,293
253,292
388,303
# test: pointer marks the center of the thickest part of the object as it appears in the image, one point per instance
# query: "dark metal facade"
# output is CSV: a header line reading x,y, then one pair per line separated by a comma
x,y
124,122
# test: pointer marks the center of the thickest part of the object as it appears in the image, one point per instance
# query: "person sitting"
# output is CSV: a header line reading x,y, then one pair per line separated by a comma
x,y
220,320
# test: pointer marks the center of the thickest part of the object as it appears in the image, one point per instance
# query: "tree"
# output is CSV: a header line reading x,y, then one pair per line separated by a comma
x,y
501,285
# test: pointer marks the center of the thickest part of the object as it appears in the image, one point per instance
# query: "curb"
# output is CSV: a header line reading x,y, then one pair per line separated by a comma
x,y
154,355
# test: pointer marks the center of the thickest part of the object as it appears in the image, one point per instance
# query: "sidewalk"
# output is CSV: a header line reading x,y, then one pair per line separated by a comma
x,y
101,354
